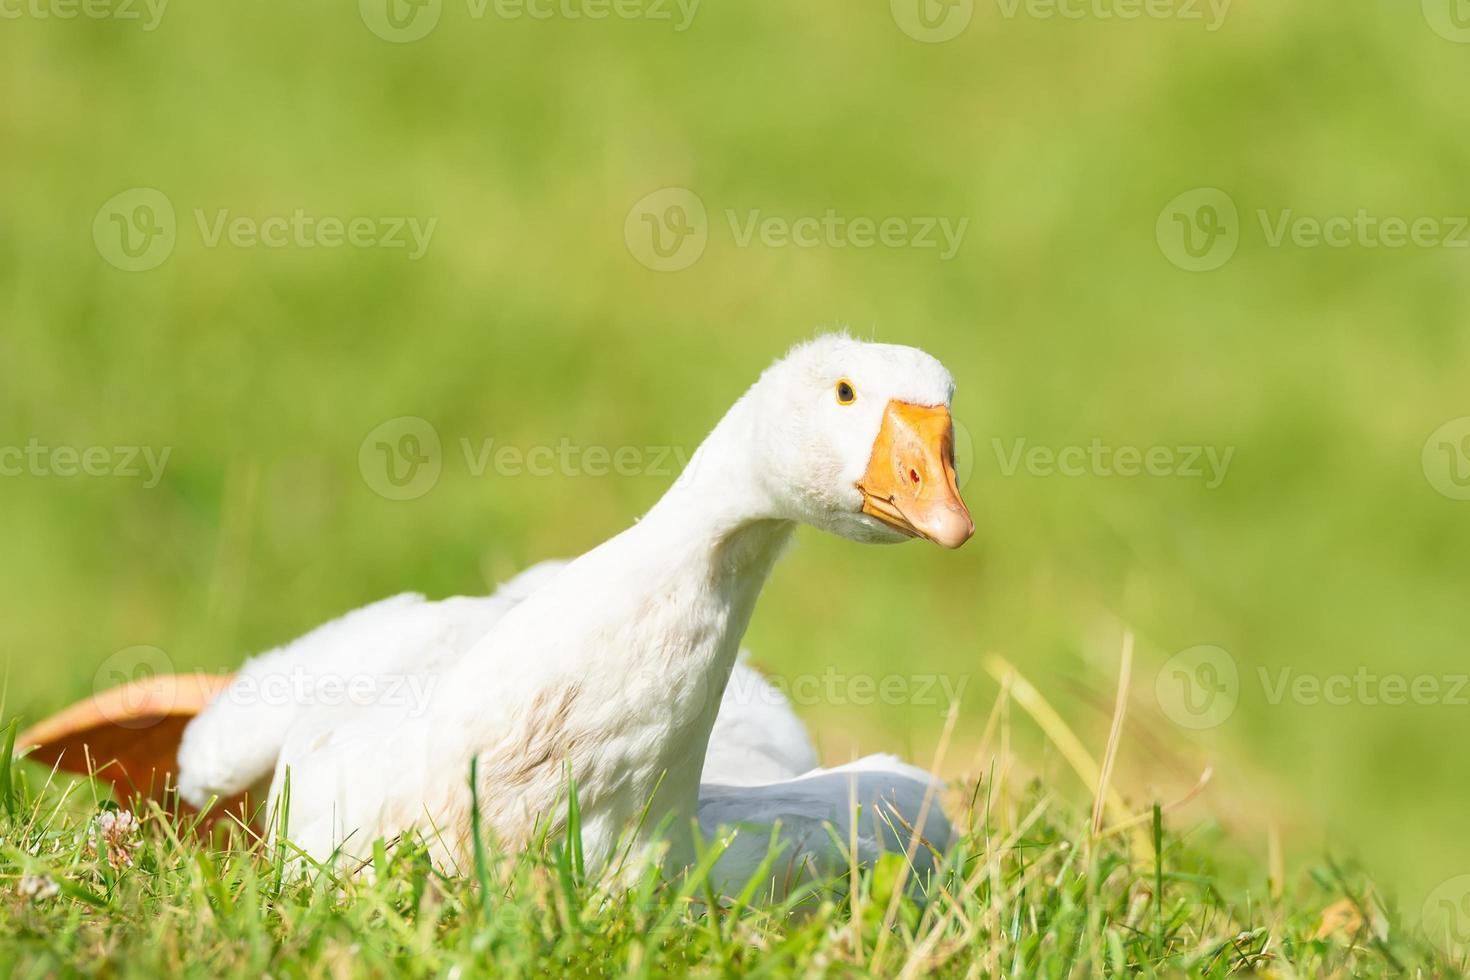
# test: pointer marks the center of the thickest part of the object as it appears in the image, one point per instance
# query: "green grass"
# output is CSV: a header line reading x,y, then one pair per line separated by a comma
x,y
1028,890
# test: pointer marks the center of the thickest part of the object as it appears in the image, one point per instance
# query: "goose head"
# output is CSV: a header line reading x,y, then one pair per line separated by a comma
x,y
855,438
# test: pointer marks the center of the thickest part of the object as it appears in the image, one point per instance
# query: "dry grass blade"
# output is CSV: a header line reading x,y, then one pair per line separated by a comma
x,y
1115,733
893,903
1022,692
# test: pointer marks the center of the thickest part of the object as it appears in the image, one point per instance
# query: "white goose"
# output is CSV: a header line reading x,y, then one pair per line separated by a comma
x,y
760,768
622,691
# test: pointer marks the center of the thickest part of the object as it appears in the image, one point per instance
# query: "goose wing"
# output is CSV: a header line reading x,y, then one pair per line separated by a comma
x,y
879,804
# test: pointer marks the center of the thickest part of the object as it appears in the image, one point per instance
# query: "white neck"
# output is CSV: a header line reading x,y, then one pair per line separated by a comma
x,y
712,538
636,639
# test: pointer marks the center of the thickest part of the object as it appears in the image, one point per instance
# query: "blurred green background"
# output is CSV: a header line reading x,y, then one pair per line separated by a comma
x,y
1066,316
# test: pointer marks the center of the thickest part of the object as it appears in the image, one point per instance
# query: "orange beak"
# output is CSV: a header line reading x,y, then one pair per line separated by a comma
x,y
910,482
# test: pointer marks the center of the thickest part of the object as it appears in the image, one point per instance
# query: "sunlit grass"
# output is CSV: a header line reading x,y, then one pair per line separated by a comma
x,y
1031,888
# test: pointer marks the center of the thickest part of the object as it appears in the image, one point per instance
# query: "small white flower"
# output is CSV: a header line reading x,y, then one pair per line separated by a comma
x,y
114,833
38,888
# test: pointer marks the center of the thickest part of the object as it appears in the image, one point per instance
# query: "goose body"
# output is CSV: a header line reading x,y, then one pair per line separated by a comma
x,y
760,774
377,668
382,663
612,668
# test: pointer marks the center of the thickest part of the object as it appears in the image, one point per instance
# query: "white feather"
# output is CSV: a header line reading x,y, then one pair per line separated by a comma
x,y
873,805
757,737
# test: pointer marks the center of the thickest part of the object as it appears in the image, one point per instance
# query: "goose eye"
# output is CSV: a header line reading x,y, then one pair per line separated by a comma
x,y
845,394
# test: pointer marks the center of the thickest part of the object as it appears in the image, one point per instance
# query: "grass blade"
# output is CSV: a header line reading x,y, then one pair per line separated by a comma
x,y
7,783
